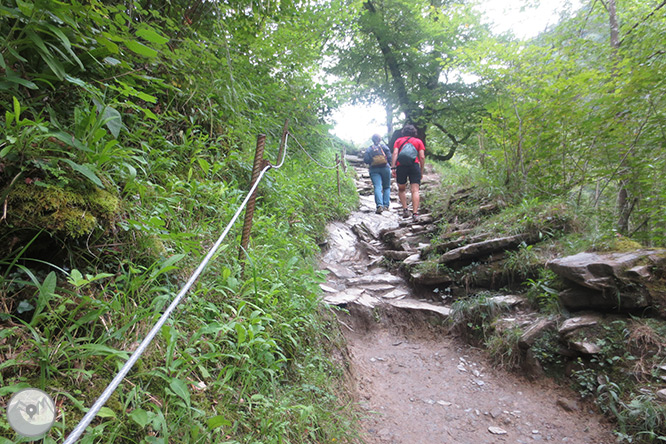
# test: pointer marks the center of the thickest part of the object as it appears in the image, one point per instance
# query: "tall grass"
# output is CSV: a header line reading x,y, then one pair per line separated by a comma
x,y
247,356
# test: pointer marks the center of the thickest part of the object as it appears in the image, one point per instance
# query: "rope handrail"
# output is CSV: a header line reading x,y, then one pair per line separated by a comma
x,y
115,382
312,158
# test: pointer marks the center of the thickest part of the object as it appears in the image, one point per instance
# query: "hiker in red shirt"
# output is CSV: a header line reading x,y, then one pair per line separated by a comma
x,y
408,161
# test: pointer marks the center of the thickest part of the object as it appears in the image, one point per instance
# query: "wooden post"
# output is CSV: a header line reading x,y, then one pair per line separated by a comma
x,y
249,211
337,171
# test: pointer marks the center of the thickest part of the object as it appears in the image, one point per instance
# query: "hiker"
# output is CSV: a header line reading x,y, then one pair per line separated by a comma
x,y
378,158
408,162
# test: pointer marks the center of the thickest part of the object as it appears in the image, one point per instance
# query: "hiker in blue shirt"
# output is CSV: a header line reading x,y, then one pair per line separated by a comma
x,y
378,157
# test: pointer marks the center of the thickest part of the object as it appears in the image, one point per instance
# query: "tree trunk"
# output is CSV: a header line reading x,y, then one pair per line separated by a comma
x,y
624,207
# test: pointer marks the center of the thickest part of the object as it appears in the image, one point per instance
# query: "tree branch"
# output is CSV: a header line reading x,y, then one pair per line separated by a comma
x,y
663,3
390,59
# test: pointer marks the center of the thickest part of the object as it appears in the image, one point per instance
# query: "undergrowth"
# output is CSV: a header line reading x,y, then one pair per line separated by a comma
x,y
247,358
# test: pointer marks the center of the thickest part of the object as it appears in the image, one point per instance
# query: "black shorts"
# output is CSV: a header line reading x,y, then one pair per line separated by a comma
x,y
402,172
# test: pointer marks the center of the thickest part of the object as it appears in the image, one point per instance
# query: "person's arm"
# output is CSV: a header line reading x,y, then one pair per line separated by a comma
x,y
394,156
422,160
389,156
366,156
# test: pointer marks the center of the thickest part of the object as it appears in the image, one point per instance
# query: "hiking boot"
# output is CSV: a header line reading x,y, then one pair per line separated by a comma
x,y
415,217
405,212
379,210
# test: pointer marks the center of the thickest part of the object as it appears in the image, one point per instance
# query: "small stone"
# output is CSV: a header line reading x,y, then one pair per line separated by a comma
x,y
569,406
496,430
444,403
327,289
535,432
661,394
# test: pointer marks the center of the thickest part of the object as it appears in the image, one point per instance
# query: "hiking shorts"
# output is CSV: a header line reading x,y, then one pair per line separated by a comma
x,y
413,172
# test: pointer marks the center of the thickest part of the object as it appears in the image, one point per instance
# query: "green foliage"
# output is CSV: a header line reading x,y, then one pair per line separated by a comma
x,y
543,292
411,57
125,145
504,350
579,119
472,317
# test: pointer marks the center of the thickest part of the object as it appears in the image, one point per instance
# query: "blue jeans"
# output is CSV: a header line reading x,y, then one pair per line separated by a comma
x,y
381,181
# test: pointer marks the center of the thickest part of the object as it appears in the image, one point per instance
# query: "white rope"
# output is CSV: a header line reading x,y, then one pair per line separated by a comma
x,y
313,159
113,385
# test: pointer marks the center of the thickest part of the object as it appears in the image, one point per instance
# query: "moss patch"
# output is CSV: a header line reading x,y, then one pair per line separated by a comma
x,y
61,211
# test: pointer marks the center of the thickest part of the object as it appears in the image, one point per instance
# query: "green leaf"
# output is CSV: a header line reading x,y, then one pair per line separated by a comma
x,y
23,82
111,61
83,169
141,49
217,421
167,265
75,81
26,8
4,391
149,113
205,166
66,43
48,286
76,278
146,97
70,140
179,387
46,54
3,65
108,44
106,412
242,333
17,110
140,416
151,35
112,120
24,307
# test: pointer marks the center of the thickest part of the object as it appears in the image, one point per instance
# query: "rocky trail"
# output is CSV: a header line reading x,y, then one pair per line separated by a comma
x,y
415,382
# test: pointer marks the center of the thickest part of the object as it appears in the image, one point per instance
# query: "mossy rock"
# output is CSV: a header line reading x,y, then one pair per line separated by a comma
x,y
60,212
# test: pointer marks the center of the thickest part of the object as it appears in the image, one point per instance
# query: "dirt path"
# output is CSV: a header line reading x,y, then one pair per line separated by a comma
x,y
415,383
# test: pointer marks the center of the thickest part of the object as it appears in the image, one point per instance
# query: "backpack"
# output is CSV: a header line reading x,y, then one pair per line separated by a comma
x,y
377,156
407,154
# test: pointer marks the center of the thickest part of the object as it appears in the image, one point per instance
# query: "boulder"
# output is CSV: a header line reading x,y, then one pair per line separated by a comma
x,y
397,255
535,331
575,323
482,249
616,280
586,347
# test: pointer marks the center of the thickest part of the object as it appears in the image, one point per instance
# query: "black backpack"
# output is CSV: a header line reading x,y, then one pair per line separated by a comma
x,y
407,153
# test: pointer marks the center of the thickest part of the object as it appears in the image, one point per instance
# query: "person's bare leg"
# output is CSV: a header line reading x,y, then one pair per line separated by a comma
x,y
402,195
416,197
